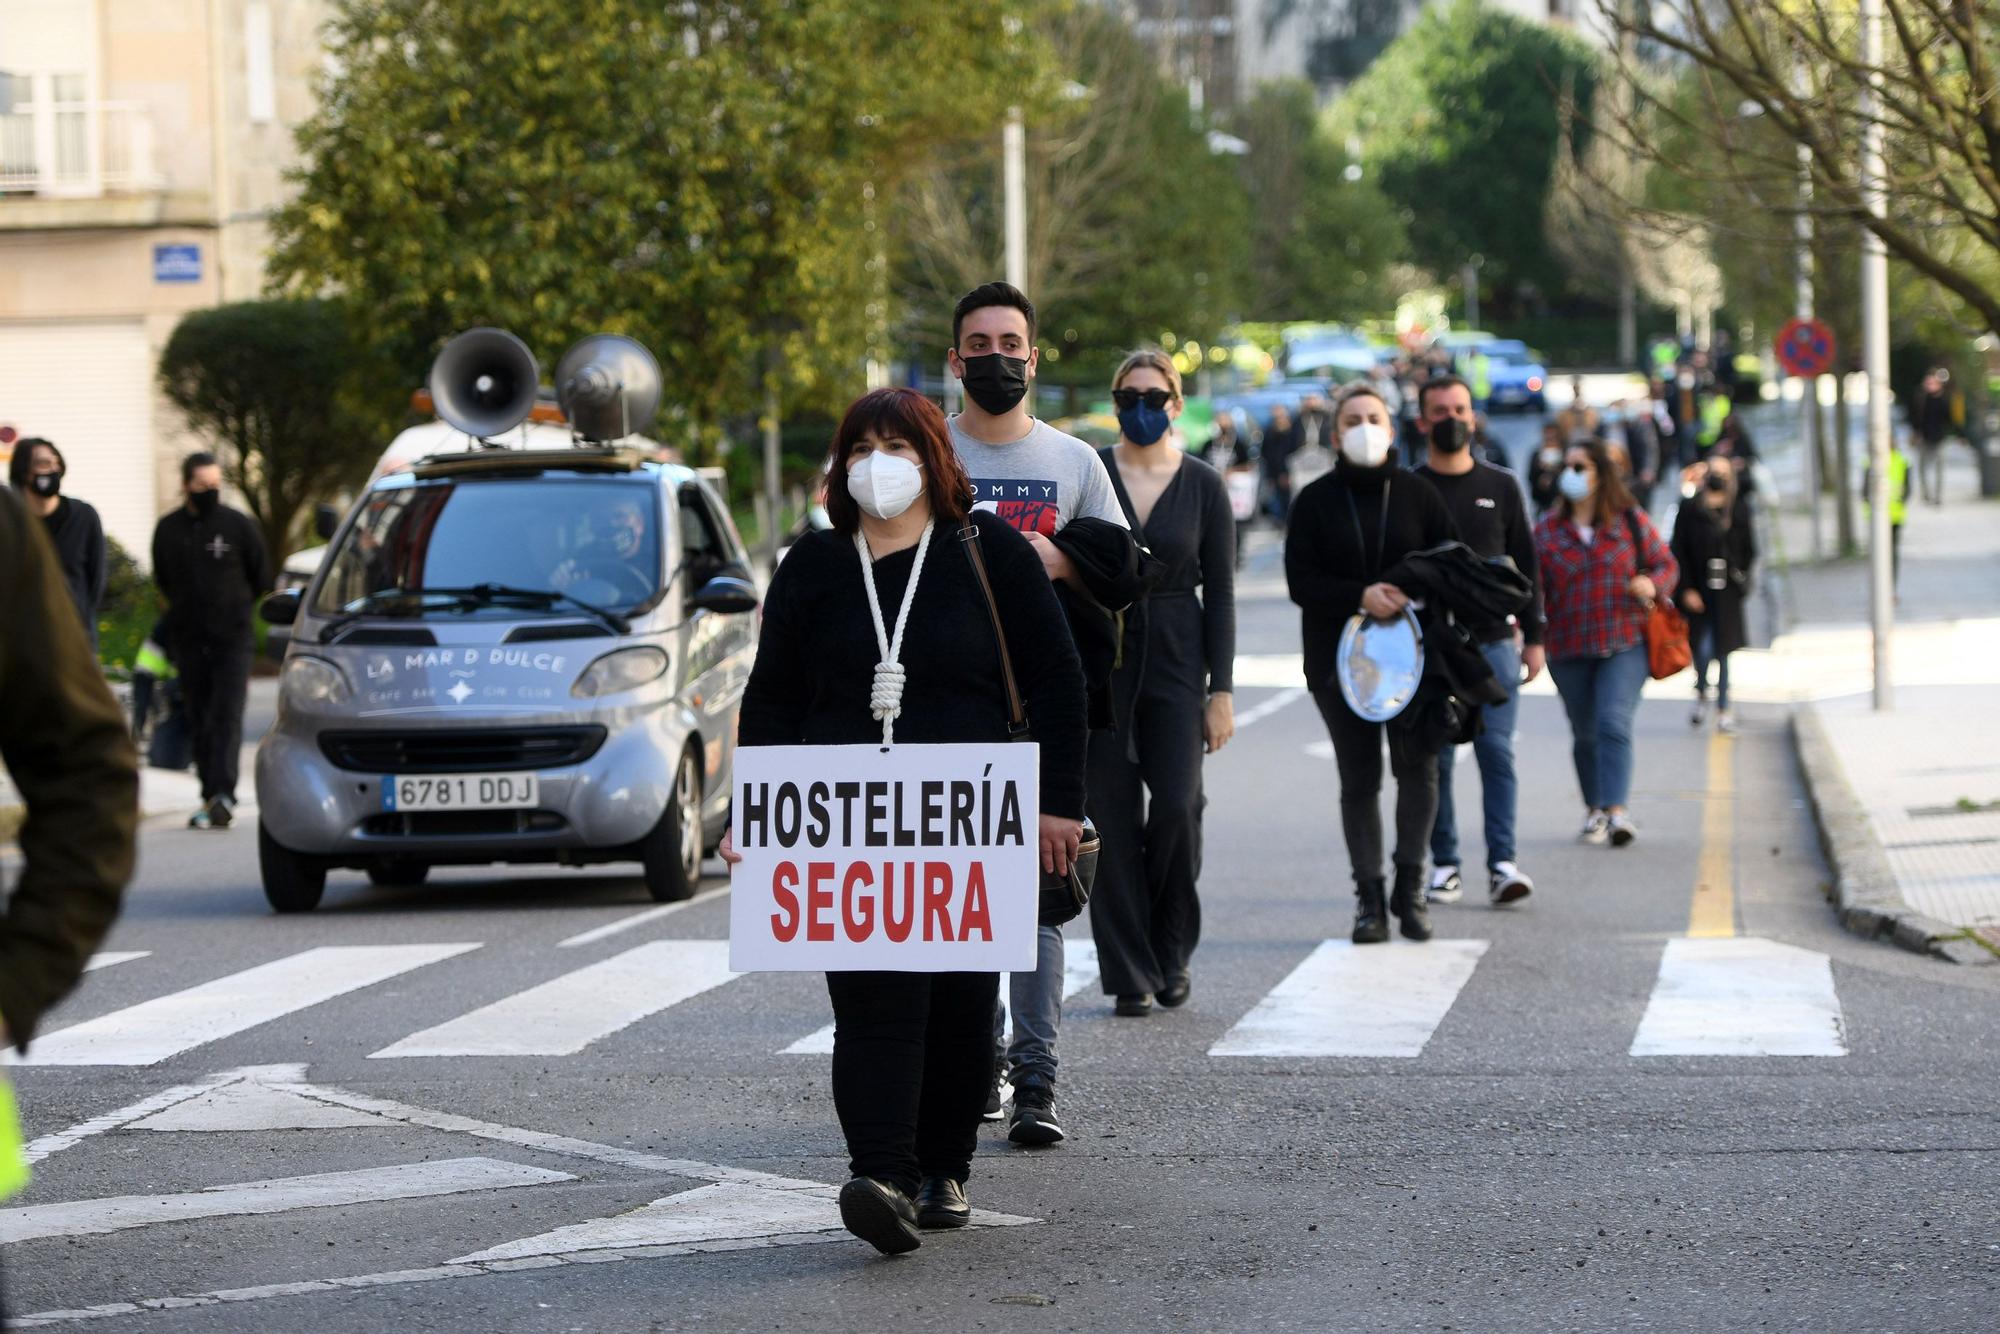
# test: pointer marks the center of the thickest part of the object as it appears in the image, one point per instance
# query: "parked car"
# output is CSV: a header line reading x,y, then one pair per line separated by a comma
x,y
510,656
1516,376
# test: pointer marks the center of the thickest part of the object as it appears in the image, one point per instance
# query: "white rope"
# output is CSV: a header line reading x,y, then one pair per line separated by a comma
x,y
885,696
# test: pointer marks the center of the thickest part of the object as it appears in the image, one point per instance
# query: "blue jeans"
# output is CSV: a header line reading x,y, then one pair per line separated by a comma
x,y
1704,654
1036,999
1494,750
1600,696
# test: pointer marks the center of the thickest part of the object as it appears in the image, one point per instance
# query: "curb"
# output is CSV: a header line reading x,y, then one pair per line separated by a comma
x,y
1864,891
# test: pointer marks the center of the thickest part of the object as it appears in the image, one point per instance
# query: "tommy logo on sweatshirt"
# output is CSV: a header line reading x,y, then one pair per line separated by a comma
x,y
1029,505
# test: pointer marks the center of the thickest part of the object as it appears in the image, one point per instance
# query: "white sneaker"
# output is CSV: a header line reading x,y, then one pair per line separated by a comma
x,y
1445,885
1622,830
1596,829
1507,883
1725,722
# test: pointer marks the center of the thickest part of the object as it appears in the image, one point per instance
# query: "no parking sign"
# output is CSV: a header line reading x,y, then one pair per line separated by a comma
x,y
1805,347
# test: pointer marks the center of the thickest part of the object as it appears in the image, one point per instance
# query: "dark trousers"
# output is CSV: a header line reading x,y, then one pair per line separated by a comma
x,y
912,1058
1146,800
215,677
1357,750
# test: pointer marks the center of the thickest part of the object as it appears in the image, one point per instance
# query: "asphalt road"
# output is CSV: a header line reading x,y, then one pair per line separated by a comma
x,y
1519,1167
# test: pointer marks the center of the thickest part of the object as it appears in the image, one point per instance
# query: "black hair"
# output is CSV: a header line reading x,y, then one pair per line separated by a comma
x,y
24,457
992,294
1439,382
201,458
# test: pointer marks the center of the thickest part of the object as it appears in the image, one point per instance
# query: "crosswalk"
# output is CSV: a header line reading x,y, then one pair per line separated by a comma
x,y
1729,997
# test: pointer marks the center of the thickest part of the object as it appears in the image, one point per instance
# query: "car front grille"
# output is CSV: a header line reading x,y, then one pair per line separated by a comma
x,y
461,750
461,824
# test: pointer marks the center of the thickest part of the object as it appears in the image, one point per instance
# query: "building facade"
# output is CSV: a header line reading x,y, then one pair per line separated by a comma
x,y
143,146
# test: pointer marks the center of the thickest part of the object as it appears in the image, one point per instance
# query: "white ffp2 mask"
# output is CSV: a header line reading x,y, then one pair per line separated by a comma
x,y
1366,444
885,484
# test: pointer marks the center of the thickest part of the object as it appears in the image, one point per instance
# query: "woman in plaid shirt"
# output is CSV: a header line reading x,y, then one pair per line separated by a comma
x,y
1603,564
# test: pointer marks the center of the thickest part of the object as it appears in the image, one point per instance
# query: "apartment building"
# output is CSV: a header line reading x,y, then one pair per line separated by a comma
x,y
143,145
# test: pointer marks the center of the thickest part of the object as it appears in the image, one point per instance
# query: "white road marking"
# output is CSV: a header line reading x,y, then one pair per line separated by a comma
x,y
251,1105
598,933
1357,1000
410,1181
1320,750
112,958
1268,669
563,1016
1079,971
149,1033
1263,709
97,1125
1741,996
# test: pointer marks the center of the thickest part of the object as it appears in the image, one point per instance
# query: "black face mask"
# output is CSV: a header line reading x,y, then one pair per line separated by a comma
x,y
205,502
45,484
996,383
1450,435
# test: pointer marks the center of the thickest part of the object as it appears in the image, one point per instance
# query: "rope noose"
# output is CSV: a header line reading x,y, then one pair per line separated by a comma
x,y
885,694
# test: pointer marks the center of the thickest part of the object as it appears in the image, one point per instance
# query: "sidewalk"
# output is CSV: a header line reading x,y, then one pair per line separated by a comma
x,y
1908,800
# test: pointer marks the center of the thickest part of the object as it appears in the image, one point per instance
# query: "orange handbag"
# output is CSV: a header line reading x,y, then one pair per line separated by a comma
x,y
1667,649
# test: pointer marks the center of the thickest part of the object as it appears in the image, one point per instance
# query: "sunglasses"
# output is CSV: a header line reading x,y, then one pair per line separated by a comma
x,y
1127,399
1581,467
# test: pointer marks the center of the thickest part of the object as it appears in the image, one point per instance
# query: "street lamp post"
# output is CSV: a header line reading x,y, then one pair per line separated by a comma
x,y
1875,352
1014,189
1802,231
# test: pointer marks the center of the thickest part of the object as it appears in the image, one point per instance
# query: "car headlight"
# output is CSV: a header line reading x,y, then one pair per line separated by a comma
x,y
310,680
617,672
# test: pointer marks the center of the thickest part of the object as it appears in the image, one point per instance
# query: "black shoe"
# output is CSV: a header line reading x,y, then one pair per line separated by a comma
x,y
996,1092
221,810
1034,1113
1175,993
1135,1006
1407,903
941,1203
880,1215
1371,923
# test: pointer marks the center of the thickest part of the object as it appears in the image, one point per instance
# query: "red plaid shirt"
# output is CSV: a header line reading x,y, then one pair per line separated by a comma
x,y
1590,612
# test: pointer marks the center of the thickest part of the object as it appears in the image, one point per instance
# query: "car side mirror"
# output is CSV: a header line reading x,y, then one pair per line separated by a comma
x,y
725,593
326,520
281,607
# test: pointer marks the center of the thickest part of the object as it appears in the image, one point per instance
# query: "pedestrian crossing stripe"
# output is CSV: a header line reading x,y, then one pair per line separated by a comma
x,y
1725,997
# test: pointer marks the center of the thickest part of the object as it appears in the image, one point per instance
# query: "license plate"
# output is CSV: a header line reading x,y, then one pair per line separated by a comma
x,y
459,792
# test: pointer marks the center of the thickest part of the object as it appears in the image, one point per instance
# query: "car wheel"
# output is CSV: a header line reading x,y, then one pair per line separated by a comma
x,y
671,854
398,871
293,882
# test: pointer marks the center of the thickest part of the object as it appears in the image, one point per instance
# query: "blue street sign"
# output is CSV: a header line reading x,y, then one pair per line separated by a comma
x,y
176,263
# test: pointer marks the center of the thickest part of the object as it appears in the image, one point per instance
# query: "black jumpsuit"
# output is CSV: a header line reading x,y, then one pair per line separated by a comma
x,y
1145,778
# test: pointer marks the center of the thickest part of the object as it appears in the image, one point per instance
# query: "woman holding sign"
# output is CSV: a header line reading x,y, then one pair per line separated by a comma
x,y
877,632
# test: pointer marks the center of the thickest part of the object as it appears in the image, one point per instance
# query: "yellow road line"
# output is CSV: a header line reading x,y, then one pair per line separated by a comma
x,y
1714,912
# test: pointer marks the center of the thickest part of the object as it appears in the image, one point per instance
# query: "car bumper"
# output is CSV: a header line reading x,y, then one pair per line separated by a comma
x,y
607,802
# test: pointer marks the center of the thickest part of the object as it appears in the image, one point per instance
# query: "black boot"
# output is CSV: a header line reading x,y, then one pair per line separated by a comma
x,y
1407,902
1371,923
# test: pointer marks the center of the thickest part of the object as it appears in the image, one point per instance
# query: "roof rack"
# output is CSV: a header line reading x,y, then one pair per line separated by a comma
x,y
529,460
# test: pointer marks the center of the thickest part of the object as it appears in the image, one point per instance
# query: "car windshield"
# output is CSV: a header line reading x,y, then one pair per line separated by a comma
x,y
587,541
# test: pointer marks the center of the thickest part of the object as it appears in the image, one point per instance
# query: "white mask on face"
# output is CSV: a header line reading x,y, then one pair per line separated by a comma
x,y
1576,486
885,484
1366,444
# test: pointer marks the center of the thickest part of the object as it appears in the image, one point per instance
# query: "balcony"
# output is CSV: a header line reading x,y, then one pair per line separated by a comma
x,y
77,150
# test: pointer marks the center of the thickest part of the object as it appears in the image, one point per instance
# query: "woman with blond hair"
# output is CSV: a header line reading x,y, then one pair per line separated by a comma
x,y
1171,693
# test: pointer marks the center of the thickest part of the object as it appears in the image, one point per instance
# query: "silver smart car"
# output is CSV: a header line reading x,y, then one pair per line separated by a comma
x,y
510,656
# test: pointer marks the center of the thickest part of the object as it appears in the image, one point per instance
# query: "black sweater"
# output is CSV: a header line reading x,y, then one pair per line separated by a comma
x,y
1487,510
212,571
817,653
1192,533
78,535
1328,564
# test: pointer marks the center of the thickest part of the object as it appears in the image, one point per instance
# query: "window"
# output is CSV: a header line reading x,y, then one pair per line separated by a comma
x,y
260,85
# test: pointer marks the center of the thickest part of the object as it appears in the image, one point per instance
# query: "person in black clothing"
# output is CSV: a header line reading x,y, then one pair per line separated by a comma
x,y
1274,456
1930,414
210,564
1715,543
1350,529
913,1052
1172,693
37,471
1486,508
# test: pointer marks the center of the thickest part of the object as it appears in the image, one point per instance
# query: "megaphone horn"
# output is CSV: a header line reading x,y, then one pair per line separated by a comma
x,y
609,387
484,381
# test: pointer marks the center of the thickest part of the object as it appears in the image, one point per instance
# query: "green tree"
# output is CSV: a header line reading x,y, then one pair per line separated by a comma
x,y
268,382
1321,244
696,175
1459,122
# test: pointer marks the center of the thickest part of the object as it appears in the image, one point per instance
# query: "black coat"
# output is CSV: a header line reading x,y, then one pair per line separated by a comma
x,y
1114,573
1716,562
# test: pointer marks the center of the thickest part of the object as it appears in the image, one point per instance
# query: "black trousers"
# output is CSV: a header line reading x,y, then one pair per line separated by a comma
x,y
912,1059
1357,750
215,678
1146,800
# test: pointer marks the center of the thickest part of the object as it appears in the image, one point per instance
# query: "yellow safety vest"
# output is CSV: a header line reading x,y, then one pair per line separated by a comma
x,y
13,1157
1899,482
1713,413
1480,372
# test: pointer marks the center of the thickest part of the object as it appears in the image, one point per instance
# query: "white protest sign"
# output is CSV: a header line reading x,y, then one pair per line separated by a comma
x,y
917,859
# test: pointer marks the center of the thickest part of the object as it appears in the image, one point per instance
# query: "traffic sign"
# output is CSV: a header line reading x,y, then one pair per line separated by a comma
x,y
1805,347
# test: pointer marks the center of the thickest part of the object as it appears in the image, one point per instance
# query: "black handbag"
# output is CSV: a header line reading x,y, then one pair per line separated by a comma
x,y
1063,897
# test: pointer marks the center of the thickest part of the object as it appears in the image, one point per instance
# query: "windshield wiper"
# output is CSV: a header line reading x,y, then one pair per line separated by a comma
x,y
546,597
372,604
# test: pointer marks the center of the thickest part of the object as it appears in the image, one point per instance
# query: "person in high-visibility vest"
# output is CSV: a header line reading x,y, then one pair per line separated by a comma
x,y
1899,505
1715,410
1479,378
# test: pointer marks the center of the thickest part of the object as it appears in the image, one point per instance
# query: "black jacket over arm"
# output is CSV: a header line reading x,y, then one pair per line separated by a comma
x,y
1113,573
1487,510
817,653
1328,563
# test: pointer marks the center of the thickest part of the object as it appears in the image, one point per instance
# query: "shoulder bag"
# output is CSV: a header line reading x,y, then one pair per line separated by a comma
x,y
1667,648
1063,897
